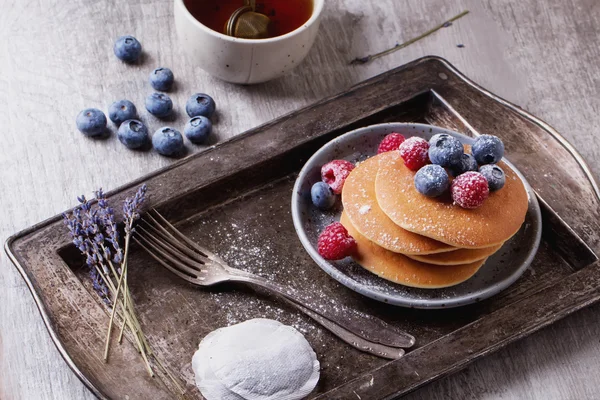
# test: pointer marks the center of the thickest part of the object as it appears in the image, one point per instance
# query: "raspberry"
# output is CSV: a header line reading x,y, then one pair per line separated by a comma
x,y
390,143
335,243
469,190
414,152
335,172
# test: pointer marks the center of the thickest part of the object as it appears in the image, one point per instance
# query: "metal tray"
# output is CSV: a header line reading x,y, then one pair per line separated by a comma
x,y
235,199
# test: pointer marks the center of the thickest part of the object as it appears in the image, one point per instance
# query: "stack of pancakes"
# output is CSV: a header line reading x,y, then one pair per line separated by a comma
x,y
419,241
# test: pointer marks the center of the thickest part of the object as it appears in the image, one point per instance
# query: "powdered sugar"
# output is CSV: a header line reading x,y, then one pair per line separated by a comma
x,y
364,209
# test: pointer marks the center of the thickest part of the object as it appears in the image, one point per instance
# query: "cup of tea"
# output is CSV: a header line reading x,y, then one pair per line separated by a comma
x,y
292,30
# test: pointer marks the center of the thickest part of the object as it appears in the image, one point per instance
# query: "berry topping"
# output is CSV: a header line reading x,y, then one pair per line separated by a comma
x,y
322,196
488,149
467,163
470,189
414,152
445,150
432,180
335,172
494,175
390,143
335,243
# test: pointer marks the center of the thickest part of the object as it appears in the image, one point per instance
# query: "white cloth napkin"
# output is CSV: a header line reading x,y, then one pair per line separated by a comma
x,y
259,359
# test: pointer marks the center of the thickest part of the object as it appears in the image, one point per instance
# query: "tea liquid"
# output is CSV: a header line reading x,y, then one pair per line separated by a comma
x,y
285,15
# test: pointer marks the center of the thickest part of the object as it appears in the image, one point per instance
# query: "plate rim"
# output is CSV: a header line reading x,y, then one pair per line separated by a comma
x,y
366,290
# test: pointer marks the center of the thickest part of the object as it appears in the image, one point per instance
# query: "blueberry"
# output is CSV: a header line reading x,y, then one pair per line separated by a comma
x,y
168,141
127,48
91,122
198,129
122,110
432,180
494,175
133,134
322,196
162,79
200,104
159,104
466,163
445,150
488,149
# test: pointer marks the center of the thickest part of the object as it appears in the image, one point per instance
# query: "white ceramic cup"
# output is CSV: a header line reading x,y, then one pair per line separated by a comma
x,y
245,61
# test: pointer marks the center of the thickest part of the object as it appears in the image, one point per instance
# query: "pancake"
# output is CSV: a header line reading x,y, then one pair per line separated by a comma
x,y
455,257
400,269
360,206
499,218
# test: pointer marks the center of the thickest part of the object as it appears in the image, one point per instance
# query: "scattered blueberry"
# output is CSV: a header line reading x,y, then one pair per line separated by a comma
x,y
91,122
162,79
159,104
121,110
133,134
168,141
488,149
445,150
198,129
466,163
322,196
127,48
200,104
432,180
460,45
494,175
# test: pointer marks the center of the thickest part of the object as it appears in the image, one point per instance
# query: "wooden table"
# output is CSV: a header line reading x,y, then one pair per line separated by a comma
x,y
56,59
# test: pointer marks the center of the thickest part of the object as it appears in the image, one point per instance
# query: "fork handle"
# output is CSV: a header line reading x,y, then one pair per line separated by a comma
x,y
380,350
369,328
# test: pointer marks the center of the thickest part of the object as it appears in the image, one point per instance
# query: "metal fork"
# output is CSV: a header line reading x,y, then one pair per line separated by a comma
x,y
199,266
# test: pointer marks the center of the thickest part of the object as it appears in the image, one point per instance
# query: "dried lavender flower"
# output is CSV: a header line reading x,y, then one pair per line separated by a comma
x,y
132,207
100,286
107,217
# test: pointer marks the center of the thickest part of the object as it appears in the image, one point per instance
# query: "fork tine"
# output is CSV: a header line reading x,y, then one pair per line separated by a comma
x,y
164,264
163,249
184,238
173,242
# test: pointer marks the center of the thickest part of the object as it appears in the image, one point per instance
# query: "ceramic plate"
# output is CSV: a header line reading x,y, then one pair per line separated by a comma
x,y
500,270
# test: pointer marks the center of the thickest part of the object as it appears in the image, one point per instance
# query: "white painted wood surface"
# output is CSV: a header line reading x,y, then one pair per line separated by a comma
x,y
56,58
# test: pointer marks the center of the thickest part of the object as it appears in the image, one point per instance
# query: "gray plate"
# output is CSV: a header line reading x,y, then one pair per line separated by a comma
x,y
500,270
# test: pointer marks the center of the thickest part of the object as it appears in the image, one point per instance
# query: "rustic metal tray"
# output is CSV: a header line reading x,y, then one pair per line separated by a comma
x,y
239,206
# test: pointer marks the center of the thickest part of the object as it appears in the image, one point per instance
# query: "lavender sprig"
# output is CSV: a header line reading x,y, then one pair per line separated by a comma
x,y
131,210
132,207
99,286
95,233
107,216
398,46
83,227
